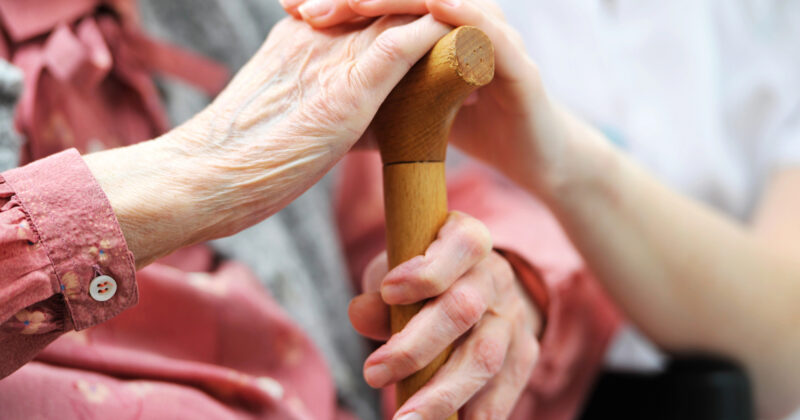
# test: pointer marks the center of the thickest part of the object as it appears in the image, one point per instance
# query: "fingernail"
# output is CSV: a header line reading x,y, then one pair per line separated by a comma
x,y
315,9
452,3
377,375
410,416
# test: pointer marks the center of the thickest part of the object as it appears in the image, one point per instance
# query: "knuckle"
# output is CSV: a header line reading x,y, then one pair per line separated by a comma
x,y
516,311
389,47
489,355
407,359
474,235
464,308
428,282
446,399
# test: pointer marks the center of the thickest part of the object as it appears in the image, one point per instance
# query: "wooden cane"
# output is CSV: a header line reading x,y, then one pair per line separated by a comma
x,y
412,128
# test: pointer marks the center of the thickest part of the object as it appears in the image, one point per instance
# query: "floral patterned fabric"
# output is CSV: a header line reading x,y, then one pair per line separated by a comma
x,y
205,340
58,233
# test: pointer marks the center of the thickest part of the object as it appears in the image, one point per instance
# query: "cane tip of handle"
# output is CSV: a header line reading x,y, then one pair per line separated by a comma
x,y
414,122
473,54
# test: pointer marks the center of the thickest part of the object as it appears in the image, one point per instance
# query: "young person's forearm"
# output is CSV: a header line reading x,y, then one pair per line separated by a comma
x,y
691,278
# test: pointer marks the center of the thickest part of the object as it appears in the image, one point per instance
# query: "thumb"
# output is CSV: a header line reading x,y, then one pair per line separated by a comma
x,y
392,54
370,316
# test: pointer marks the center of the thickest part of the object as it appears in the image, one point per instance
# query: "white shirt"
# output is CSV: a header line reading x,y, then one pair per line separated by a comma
x,y
703,93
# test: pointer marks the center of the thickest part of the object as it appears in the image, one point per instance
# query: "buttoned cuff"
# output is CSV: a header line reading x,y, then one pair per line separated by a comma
x,y
80,234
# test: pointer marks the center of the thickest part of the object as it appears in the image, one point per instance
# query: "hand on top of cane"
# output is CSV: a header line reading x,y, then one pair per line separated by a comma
x,y
513,111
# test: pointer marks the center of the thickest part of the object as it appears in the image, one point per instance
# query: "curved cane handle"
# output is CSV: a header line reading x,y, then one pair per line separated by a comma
x,y
412,128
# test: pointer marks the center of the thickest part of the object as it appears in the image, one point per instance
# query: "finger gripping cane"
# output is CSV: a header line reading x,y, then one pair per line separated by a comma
x,y
412,127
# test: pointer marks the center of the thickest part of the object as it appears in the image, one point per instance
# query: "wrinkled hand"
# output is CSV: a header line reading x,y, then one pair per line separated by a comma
x,y
513,111
299,105
476,303
284,120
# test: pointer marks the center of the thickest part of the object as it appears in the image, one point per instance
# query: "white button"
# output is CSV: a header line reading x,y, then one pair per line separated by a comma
x,y
102,288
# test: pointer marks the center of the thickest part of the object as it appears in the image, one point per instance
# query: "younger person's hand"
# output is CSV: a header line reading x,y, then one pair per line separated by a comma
x,y
476,303
510,124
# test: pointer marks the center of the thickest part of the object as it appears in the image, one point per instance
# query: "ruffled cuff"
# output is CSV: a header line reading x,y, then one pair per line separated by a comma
x,y
77,229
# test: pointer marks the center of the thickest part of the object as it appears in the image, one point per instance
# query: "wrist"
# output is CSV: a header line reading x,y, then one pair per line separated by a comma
x,y
153,195
574,158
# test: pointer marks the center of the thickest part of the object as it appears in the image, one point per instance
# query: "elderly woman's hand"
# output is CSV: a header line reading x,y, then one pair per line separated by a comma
x,y
525,127
285,119
476,303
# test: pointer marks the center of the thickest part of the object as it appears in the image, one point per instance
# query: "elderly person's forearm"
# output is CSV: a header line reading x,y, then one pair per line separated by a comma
x,y
289,115
73,236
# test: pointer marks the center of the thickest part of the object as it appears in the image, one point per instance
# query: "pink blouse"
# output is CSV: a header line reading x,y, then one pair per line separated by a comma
x,y
206,340
57,234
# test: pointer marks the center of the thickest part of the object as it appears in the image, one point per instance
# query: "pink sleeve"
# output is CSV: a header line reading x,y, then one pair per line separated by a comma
x,y
58,233
580,320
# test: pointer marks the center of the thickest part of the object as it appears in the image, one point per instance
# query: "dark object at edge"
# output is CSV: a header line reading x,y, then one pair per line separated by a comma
x,y
691,388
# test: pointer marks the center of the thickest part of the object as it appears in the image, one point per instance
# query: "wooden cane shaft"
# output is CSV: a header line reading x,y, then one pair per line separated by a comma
x,y
412,128
415,197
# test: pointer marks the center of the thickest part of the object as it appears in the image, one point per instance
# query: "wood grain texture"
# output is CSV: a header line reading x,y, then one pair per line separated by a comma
x,y
415,210
412,128
414,122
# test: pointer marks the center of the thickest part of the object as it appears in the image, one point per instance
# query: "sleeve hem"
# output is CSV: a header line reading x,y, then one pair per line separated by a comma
x,y
80,234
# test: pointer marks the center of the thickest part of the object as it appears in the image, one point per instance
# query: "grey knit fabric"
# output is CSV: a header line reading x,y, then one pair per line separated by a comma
x,y
10,89
296,253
